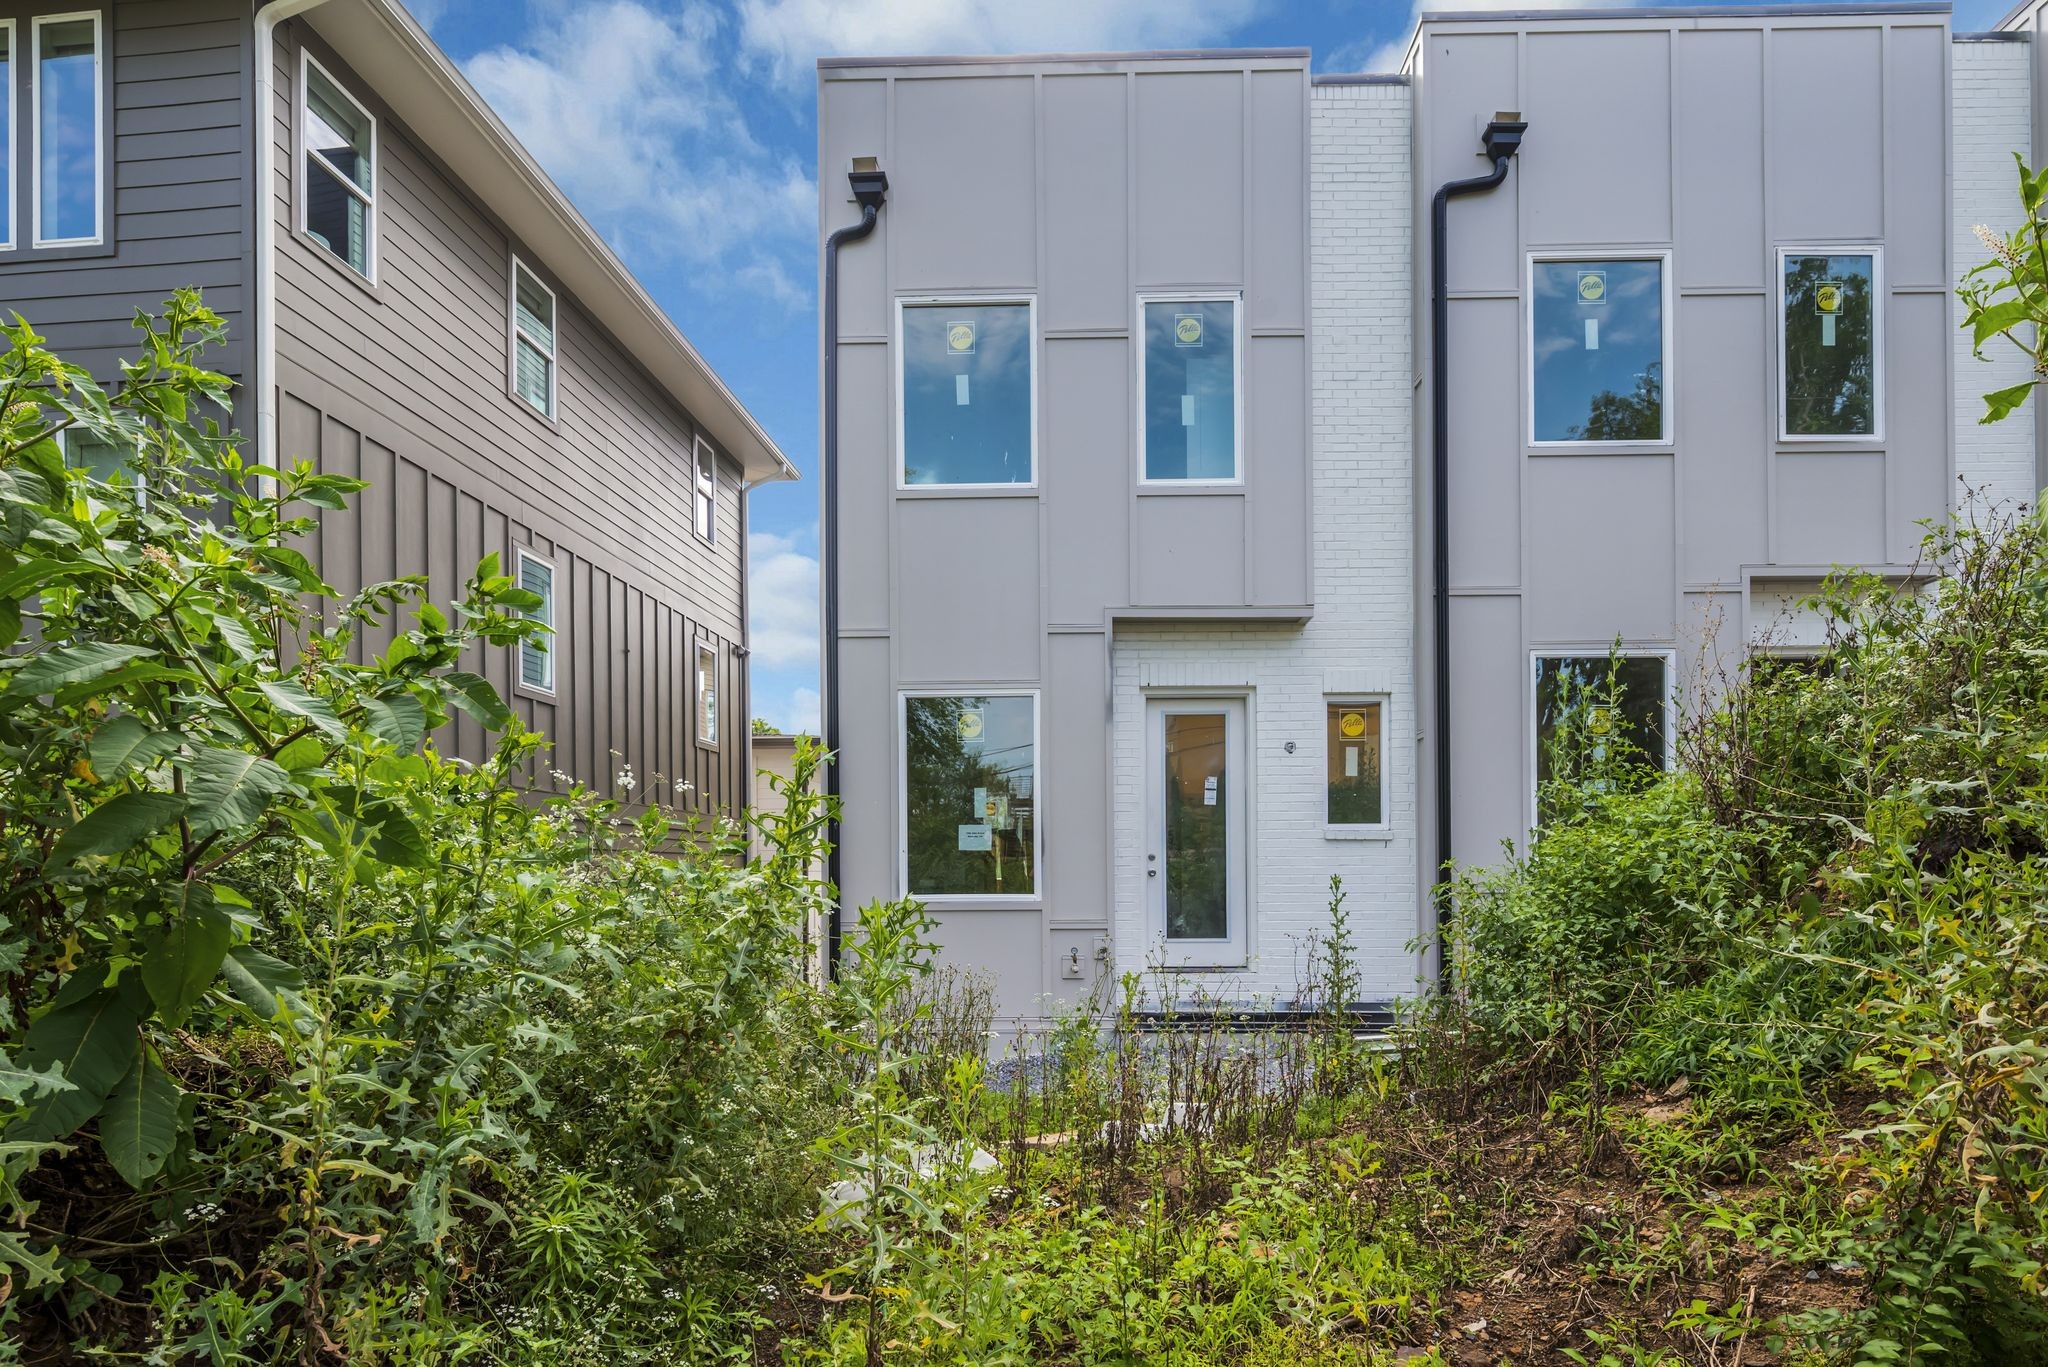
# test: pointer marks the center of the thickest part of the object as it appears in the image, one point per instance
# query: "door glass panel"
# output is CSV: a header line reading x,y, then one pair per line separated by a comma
x,y
1197,832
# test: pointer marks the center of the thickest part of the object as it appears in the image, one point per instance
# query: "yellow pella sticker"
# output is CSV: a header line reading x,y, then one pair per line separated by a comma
x,y
1187,329
1352,725
1592,287
1827,297
960,338
970,724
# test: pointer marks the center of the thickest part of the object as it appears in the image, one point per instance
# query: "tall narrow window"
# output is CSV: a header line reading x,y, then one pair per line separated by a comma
x,y
67,129
707,694
6,133
1356,779
970,795
707,490
967,411
537,656
1596,354
1832,313
533,340
339,138
1189,388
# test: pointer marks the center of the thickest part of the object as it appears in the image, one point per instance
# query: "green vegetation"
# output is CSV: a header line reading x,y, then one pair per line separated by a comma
x,y
321,1048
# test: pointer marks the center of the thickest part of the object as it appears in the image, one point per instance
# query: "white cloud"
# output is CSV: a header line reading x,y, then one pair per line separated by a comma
x,y
631,111
792,34
799,716
782,599
1367,55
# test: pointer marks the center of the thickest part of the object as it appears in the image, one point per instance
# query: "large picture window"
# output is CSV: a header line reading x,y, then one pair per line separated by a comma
x,y
1356,780
1189,390
338,140
1831,315
967,413
1635,709
1598,333
970,766
68,179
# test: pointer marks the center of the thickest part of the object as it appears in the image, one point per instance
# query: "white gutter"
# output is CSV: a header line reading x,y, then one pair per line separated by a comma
x,y
263,129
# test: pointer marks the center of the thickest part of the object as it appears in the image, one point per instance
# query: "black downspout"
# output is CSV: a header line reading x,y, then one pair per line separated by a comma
x,y
1501,139
828,553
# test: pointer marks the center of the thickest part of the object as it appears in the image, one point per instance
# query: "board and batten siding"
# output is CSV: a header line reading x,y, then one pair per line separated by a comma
x,y
179,182
405,384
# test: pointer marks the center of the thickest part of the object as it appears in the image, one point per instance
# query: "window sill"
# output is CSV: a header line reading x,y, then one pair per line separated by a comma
x,y
1601,448
1188,488
1376,834
23,253
340,267
967,491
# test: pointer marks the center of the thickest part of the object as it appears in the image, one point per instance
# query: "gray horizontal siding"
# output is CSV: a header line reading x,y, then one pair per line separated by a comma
x,y
176,214
610,478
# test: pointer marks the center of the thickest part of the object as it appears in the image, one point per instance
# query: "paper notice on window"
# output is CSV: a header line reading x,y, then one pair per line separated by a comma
x,y
977,837
1592,337
960,390
1187,410
1351,761
1209,791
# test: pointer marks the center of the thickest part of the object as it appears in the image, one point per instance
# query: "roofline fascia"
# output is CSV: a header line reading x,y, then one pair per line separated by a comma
x,y
1217,54
519,163
1660,13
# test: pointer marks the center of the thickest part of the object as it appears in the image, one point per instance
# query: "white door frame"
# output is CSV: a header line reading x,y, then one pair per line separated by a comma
x,y
1231,951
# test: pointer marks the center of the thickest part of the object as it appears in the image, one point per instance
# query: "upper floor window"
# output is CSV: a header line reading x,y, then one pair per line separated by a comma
x,y
67,178
968,415
6,133
533,340
537,656
1599,333
1188,387
706,503
1832,337
338,204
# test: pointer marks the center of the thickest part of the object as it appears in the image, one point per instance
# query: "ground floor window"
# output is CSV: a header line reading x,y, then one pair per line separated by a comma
x,y
1586,705
1356,783
970,780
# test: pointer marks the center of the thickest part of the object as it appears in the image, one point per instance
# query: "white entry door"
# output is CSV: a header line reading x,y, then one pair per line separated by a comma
x,y
1195,829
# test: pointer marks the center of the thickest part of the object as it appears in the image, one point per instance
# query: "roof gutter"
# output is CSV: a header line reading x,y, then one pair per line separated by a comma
x,y
1503,136
870,188
264,378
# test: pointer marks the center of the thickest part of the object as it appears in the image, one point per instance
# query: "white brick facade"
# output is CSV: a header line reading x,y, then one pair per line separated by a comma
x,y
1992,109
1360,640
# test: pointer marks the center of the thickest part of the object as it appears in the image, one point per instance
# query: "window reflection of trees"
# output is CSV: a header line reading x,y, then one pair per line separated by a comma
x,y
944,768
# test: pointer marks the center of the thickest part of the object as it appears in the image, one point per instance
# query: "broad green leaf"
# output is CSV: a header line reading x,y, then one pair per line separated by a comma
x,y
94,1040
398,720
114,827
55,669
239,640
473,696
228,789
302,702
125,743
382,829
2001,402
257,980
303,753
184,962
1993,319
140,1123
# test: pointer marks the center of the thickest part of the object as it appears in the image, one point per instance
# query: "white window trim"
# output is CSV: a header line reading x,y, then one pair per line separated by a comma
x,y
1235,298
35,114
704,486
8,91
517,333
706,649
1033,898
1384,827
308,61
1536,658
552,654
71,434
1669,394
1878,309
1030,303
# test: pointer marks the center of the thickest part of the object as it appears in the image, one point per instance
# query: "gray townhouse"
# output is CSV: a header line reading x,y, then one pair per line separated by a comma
x,y
1158,594
412,301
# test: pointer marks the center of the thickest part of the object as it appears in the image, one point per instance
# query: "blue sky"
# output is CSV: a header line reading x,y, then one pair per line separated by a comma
x,y
685,130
